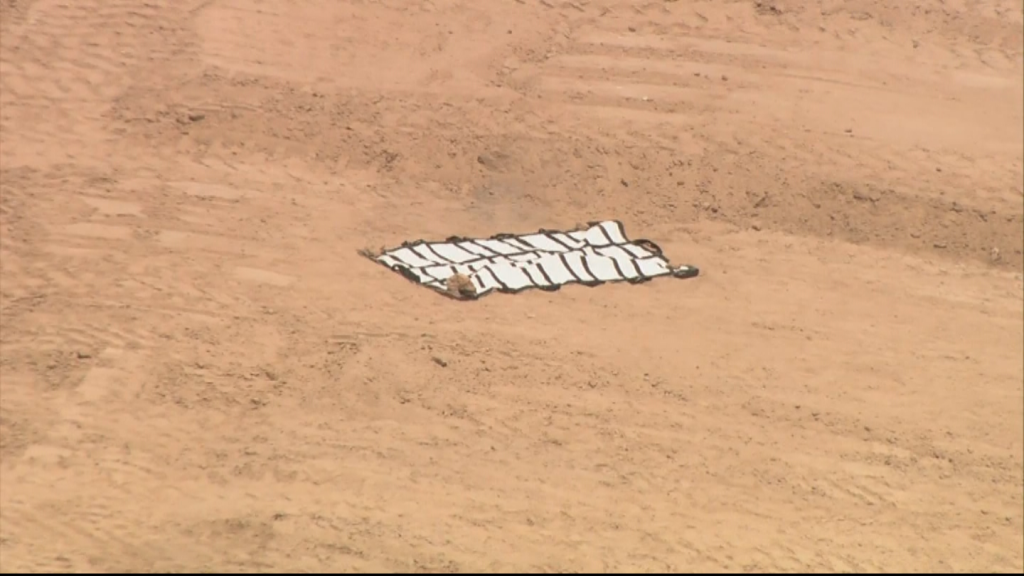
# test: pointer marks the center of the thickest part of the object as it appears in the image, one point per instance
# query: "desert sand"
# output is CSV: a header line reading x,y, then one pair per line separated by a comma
x,y
200,373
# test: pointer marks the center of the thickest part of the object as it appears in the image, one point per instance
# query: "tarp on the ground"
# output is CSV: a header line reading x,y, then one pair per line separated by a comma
x,y
546,260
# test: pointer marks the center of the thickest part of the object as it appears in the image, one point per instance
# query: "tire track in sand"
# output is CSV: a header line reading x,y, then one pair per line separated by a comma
x,y
63,63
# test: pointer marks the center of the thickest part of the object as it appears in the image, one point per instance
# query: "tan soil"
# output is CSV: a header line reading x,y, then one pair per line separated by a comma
x,y
199,372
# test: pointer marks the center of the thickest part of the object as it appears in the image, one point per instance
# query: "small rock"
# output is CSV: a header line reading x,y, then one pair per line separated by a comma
x,y
439,362
632,29
755,227
196,117
939,245
83,355
995,255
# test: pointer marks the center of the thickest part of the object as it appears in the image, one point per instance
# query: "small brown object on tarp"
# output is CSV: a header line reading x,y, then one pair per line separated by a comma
x,y
460,286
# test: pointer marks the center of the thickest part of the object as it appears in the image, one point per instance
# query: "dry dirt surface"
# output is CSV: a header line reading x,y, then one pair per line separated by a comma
x,y
200,373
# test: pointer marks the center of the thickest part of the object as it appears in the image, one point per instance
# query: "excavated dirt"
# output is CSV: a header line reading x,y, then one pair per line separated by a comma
x,y
198,372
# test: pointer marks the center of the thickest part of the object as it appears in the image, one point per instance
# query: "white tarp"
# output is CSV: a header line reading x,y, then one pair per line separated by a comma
x,y
546,260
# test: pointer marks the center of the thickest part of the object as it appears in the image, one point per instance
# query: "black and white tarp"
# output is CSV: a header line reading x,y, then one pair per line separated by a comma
x,y
546,260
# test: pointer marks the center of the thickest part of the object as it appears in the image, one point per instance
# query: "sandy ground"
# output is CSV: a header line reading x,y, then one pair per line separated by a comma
x,y
200,373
